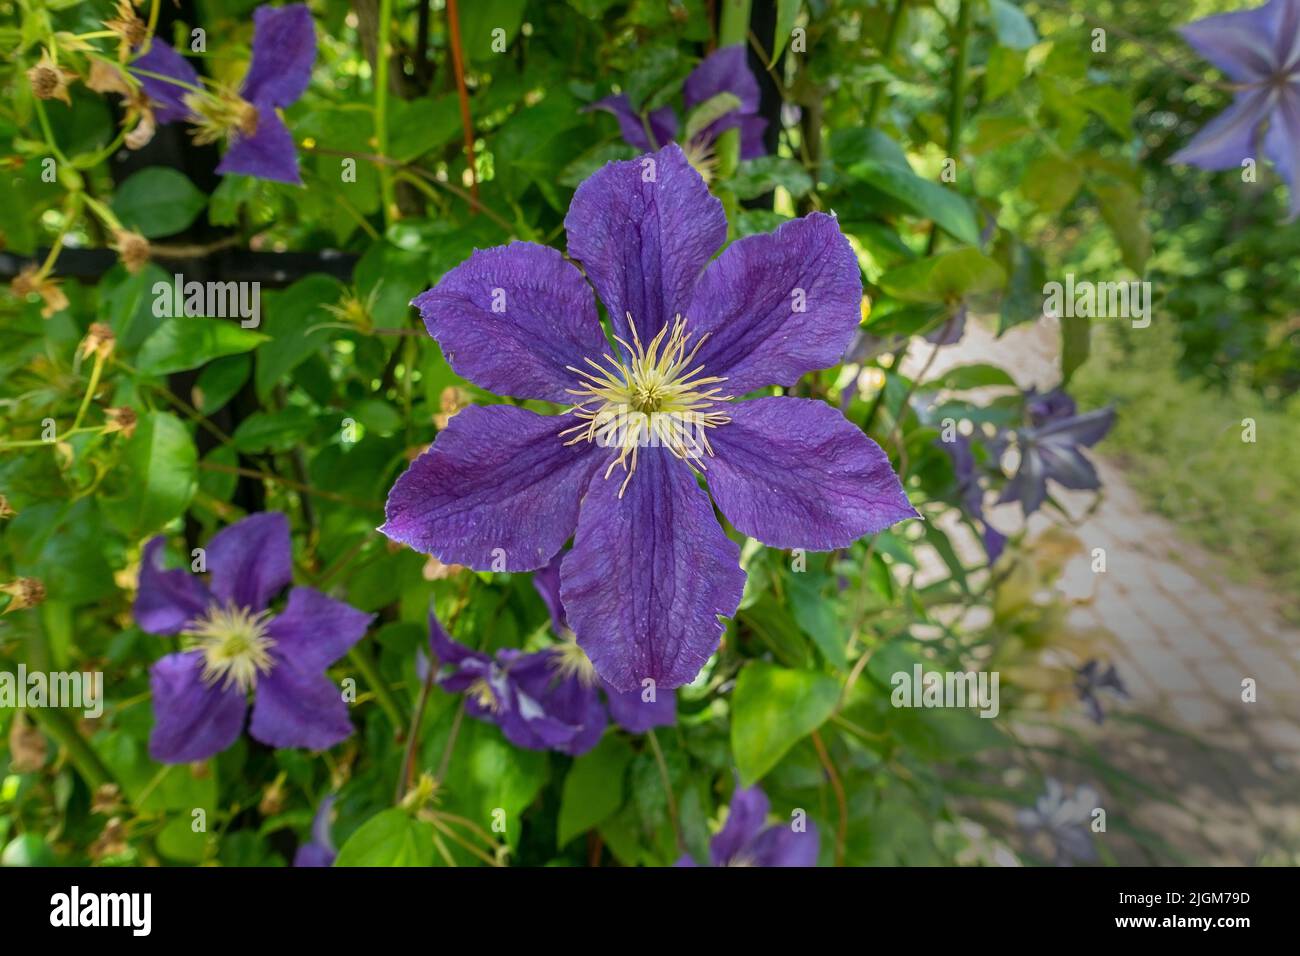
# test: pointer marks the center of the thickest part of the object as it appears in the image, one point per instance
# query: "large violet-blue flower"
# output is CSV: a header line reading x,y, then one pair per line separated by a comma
x,y
723,72
971,492
1259,50
1050,448
651,570
284,48
746,839
236,646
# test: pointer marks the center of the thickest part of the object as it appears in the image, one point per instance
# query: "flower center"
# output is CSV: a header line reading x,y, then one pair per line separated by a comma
x,y
570,660
700,154
653,397
220,114
235,645
482,693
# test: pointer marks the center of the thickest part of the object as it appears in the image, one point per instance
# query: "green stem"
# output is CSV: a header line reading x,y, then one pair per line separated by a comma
x,y
59,726
886,51
389,200
95,371
732,29
956,98
383,695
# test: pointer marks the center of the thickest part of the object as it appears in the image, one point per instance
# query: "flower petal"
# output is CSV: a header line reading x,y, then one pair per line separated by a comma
x,y
794,473
1239,43
547,582
1230,137
512,318
284,48
553,713
192,719
269,153
662,122
783,846
648,575
251,560
1282,141
297,706
643,229
746,818
725,70
752,129
314,630
778,305
498,487
168,98
636,715
167,600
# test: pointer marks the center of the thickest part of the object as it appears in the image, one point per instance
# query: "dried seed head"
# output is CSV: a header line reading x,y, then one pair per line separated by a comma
x,y
121,419
49,80
29,281
23,593
99,341
132,248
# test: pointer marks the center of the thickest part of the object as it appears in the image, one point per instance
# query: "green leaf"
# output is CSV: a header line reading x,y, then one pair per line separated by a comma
x,y
755,177
948,277
292,322
1076,344
188,342
421,125
1050,182
479,19
389,838
773,708
158,201
814,612
219,381
273,431
161,466
593,788
1003,72
709,112
949,210
1121,207
787,12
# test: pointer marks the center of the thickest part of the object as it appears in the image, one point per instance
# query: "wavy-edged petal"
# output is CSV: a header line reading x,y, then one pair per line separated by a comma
x,y
795,473
643,230
298,706
251,560
269,153
512,319
784,846
167,600
498,483
168,98
192,719
314,630
778,305
648,576
637,128
284,48
547,582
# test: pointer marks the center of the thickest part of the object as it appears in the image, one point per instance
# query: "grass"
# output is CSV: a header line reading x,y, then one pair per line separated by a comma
x,y
1183,449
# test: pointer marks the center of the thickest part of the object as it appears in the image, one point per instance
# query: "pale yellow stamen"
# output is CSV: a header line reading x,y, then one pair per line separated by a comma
x,y
235,645
653,397
700,154
570,660
221,114
482,694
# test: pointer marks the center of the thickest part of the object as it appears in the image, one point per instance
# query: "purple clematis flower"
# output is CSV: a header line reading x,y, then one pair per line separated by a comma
x,y
1259,50
284,48
1050,448
236,647
1091,680
319,851
541,701
747,840
651,570
722,72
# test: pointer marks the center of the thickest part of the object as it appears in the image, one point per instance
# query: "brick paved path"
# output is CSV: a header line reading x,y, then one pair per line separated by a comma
x,y
1188,634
